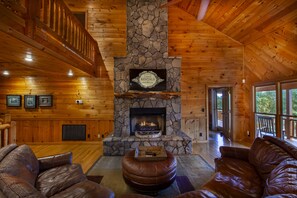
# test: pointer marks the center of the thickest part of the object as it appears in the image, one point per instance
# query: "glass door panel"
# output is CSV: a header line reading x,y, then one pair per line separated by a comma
x,y
219,108
289,110
265,108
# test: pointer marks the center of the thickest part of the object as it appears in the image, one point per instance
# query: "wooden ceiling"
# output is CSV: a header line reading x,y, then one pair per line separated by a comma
x,y
244,20
266,28
12,59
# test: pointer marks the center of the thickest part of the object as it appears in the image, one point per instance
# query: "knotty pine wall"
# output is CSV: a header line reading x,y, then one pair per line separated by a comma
x,y
45,124
106,22
209,59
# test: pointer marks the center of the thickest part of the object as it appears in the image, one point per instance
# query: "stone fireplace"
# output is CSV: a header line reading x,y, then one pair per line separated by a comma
x,y
147,122
160,101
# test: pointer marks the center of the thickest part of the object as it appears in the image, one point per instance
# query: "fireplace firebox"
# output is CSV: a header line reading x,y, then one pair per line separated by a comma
x,y
147,122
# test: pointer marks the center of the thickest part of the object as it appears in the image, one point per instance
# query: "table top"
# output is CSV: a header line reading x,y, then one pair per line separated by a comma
x,y
150,153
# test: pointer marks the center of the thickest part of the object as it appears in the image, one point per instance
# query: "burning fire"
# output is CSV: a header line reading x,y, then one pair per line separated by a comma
x,y
144,123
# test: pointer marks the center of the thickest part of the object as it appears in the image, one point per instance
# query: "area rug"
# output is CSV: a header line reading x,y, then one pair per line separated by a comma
x,y
184,184
192,172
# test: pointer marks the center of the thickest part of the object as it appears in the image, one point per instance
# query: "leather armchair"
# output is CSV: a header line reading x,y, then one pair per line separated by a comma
x,y
23,175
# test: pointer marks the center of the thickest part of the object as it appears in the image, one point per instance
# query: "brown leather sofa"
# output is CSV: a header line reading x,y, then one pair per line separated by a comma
x,y
23,175
267,169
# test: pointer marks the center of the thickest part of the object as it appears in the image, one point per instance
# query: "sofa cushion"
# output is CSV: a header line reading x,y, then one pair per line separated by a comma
x,y
283,179
54,161
21,162
12,186
57,179
265,156
86,189
235,178
5,150
282,196
288,147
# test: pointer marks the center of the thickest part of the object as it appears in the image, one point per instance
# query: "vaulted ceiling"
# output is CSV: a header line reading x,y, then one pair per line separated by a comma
x,y
266,30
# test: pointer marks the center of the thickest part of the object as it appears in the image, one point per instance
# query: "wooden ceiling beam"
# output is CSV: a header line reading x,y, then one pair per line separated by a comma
x,y
202,10
171,3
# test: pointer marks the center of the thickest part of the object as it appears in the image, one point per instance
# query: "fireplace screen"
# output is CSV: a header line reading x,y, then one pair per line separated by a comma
x,y
147,122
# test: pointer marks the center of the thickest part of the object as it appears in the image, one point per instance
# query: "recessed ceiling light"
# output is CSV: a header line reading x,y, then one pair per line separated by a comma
x,y
5,73
29,57
70,73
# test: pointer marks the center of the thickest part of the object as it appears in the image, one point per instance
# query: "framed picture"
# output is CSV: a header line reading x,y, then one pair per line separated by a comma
x,y
14,100
30,101
45,100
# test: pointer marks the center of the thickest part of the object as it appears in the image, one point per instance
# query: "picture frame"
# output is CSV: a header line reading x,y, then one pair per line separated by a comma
x,y
13,100
45,100
30,101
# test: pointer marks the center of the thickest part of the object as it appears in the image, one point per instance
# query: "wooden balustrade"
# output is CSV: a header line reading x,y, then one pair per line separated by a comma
x,y
7,130
52,24
55,17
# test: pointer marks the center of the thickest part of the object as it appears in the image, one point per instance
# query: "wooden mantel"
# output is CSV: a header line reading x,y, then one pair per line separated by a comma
x,y
149,94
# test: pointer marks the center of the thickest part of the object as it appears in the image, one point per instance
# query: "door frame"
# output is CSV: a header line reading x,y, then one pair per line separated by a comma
x,y
207,87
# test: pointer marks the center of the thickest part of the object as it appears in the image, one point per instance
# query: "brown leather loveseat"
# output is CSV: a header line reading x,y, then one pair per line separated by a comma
x,y
23,175
267,169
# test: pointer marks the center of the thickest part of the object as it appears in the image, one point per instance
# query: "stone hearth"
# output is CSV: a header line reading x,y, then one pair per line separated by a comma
x,y
147,48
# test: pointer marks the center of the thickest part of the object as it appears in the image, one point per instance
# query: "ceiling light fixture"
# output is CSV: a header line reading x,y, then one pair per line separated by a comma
x,y
70,73
5,73
29,57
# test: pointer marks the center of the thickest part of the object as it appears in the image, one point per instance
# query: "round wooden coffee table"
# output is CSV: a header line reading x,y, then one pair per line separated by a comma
x,y
148,176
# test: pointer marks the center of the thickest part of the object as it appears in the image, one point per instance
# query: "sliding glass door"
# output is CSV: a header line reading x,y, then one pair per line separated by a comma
x,y
275,107
265,108
289,109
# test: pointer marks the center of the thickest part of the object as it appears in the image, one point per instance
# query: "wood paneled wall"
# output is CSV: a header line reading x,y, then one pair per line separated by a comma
x,y
209,59
106,22
45,124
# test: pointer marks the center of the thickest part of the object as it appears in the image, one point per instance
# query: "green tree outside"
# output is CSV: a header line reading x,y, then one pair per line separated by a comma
x,y
266,102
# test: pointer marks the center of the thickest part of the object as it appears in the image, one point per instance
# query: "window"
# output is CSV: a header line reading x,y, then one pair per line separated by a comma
x,y
268,120
266,99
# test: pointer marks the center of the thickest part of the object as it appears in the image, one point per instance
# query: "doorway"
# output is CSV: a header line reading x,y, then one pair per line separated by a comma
x,y
220,110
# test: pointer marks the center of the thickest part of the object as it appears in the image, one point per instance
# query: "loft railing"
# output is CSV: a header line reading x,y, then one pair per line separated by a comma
x,y
52,17
55,17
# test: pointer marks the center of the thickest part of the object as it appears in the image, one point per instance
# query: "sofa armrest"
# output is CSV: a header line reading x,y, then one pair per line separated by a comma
x,y
235,152
52,161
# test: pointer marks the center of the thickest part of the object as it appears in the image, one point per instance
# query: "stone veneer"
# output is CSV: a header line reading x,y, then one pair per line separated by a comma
x,y
147,48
